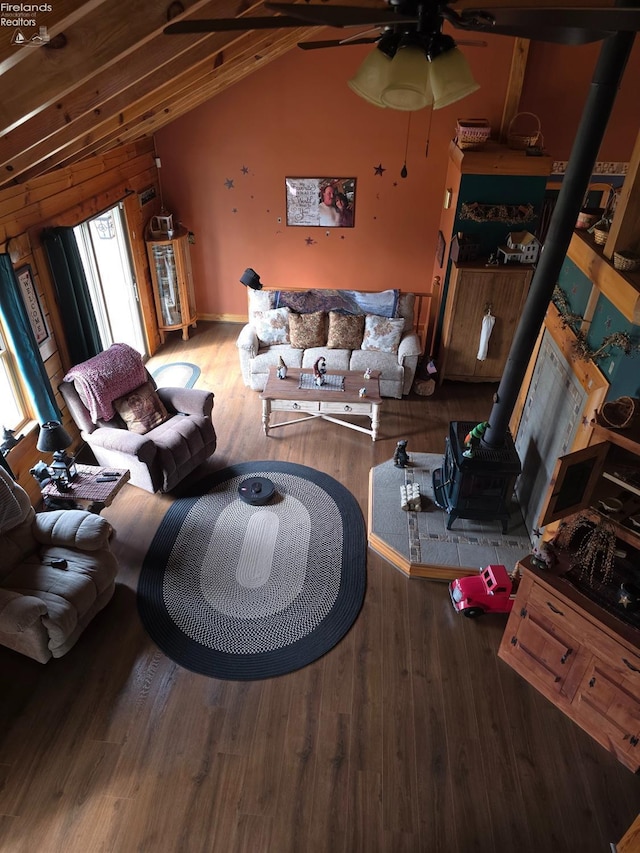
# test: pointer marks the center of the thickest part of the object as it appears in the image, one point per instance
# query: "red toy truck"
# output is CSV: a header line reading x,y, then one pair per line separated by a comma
x,y
492,591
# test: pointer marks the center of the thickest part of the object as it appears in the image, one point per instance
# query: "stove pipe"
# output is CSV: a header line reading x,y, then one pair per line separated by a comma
x,y
597,110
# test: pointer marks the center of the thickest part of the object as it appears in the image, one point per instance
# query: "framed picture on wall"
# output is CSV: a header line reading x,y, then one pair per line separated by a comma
x,y
32,303
321,202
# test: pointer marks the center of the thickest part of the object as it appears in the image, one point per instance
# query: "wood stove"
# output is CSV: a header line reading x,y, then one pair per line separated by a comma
x,y
479,487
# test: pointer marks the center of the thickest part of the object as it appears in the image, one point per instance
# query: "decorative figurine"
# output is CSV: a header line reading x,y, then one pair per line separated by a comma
x,y
473,439
367,373
281,371
362,392
401,458
319,370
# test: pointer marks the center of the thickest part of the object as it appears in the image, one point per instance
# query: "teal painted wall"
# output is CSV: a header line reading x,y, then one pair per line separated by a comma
x,y
621,371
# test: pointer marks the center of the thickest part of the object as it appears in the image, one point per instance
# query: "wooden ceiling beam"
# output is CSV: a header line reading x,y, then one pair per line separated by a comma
x,y
235,62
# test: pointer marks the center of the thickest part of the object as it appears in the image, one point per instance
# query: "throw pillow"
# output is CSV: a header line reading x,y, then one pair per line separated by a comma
x,y
272,327
308,330
141,409
382,334
345,331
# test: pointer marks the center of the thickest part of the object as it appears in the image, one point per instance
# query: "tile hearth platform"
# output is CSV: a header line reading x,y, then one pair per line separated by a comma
x,y
419,544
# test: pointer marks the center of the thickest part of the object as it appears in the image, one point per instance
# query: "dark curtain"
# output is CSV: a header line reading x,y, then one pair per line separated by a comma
x,y
24,346
76,311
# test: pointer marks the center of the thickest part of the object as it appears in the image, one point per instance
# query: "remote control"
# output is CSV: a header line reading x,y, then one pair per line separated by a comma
x,y
105,479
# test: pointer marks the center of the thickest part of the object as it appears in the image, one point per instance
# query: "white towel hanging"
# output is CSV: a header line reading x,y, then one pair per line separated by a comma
x,y
488,322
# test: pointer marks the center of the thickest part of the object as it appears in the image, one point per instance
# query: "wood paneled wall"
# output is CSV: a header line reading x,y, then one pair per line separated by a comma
x,y
67,197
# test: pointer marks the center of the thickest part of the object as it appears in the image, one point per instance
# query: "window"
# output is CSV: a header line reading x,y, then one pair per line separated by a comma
x,y
13,409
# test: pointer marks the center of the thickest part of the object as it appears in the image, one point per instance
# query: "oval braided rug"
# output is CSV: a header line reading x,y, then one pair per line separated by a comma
x,y
245,592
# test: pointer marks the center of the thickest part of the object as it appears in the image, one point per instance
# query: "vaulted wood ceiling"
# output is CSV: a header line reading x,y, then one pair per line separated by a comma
x,y
109,75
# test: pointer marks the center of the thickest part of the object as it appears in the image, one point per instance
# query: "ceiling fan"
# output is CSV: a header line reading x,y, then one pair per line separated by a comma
x,y
396,74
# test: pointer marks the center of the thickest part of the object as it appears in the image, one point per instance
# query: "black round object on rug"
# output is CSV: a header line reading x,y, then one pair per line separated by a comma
x,y
242,592
256,491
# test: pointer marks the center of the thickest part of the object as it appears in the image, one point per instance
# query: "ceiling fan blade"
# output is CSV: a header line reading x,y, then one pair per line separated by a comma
x,y
342,16
315,45
220,25
567,25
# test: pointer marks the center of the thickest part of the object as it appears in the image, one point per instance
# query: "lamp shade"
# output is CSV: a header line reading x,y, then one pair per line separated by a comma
x,y
53,436
451,78
408,86
371,78
250,278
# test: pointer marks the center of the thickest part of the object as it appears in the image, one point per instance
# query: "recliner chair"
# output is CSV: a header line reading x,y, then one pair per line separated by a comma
x,y
57,572
161,457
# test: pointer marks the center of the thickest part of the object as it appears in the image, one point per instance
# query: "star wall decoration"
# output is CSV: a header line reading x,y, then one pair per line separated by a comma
x,y
379,169
229,183
245,170
310,241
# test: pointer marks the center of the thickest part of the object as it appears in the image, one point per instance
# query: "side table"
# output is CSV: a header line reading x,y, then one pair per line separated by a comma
x,y
86,489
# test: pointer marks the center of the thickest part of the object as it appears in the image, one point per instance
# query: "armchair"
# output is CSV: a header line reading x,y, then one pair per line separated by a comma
x,y
57,572
162,452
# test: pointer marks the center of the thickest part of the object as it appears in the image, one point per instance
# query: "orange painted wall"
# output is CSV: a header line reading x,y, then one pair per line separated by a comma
x,y
297,117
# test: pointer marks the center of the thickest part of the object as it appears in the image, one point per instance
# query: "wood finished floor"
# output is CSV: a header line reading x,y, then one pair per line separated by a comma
x,y
410,735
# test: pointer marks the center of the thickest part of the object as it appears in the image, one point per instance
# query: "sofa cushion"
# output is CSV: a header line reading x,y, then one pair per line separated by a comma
x,y
272,327
308,330
382,334
345,331
141,409
261,300
337,359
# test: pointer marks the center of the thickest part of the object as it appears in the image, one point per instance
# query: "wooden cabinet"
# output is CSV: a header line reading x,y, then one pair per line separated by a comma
x,y
503,181
603,478
474,290
172,280
582,658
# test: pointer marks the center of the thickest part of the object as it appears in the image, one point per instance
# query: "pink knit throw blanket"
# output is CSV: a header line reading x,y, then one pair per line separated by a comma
x,y
105,377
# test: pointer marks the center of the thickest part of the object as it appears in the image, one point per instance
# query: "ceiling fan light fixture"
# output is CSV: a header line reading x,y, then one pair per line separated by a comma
x,y
408,86
451,78
371,78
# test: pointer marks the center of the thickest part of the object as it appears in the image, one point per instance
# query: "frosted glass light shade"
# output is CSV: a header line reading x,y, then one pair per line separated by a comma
x,y
408,86
451,78
371,78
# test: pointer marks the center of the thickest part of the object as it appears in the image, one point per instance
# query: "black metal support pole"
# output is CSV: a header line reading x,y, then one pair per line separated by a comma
x,y
597,110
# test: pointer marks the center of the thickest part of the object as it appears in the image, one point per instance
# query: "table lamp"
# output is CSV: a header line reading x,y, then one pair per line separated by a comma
x,y
54,438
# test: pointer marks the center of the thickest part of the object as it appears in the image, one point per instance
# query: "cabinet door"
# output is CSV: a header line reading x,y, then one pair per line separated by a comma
x,y
474,292
608,700
573,481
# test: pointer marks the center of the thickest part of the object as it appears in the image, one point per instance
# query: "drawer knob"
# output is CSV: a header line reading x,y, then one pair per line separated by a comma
x,y
564,657
554,609
592,681
630,666
347,408
296,405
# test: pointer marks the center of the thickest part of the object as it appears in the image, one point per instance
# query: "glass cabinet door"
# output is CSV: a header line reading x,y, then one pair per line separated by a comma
x,y
168,291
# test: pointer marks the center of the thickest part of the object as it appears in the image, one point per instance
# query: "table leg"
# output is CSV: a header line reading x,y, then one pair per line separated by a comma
x,y
375,420
266,414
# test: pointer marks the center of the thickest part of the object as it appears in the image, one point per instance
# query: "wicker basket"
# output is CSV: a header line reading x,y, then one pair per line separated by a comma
x,y
600,232
520,140
472,133
620,413
626,261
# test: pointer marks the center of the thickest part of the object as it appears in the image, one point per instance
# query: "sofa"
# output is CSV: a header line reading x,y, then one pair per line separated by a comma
x,y
57,572
351,330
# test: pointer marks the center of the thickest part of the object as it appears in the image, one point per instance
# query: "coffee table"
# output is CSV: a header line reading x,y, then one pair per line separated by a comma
x,y
285,395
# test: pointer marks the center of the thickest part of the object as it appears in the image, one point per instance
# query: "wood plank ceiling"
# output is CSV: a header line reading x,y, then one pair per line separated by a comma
x,y
109,75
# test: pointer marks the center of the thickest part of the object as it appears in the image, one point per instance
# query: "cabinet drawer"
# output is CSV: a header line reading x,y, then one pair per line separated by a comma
x,y
294,406
346,408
